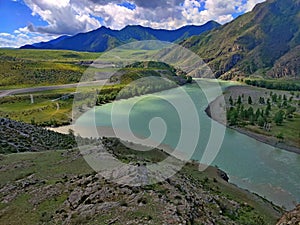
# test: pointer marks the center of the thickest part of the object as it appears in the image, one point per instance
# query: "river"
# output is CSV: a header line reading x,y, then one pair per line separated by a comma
x,y
262,169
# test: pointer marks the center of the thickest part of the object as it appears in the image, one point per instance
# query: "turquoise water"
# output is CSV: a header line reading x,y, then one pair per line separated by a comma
x,y
260,168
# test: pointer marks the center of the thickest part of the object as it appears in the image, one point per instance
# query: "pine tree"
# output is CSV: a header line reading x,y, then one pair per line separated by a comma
x,y
239,101
249,100
231,101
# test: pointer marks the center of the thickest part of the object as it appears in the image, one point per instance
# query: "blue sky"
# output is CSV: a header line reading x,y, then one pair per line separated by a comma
x,y
29,21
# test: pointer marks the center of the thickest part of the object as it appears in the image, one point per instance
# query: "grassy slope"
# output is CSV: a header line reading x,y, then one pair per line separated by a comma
x,y
254,42
53,171
27,68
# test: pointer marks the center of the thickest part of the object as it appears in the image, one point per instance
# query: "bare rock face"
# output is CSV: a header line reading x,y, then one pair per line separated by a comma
x,y
287,66
291,218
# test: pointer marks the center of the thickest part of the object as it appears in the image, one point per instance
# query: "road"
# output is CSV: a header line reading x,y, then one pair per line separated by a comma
x,y
5,93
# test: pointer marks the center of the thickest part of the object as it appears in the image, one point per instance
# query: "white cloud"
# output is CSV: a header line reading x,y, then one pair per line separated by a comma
x,y
20,39
250,5
5,35
63,17
75,16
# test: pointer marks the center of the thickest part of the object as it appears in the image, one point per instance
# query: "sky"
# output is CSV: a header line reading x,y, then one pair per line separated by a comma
x,y
31,21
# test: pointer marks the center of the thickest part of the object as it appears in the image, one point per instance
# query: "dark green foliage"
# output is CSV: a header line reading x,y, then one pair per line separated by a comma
x,y
275,84
261,121
239,101
279,116
231,101
232,116
261,100
249,100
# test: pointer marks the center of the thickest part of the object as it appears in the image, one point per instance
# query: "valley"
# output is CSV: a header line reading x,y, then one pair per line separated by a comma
x,y
150,112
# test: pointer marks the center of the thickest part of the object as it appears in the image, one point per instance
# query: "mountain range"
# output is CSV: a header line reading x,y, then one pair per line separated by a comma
x,y
263,43
104,39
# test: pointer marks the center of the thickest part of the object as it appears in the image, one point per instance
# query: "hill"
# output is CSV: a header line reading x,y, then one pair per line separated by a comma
x,y
28,67
104,39
264,42
146,69
21,137
55,187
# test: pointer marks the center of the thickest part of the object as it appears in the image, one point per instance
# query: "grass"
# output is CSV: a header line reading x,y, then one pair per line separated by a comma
x,y
53,166
289,129
42,111
50,165
29,68
49,55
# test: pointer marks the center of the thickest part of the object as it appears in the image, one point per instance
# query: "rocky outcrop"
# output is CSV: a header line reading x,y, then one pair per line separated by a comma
x,y
291,218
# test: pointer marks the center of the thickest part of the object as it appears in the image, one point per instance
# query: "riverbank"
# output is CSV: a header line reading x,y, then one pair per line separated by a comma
x,y
213,110
254,153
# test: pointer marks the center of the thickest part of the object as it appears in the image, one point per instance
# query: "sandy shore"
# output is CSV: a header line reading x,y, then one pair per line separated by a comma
x,y
236,90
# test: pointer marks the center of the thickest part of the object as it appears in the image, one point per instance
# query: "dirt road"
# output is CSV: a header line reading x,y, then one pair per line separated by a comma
x,y
49,88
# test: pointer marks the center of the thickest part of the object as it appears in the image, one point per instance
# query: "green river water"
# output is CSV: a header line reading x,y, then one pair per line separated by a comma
x,y
270,172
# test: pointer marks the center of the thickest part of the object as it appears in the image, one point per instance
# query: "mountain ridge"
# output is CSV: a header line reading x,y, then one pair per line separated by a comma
x,y
261,42
103,38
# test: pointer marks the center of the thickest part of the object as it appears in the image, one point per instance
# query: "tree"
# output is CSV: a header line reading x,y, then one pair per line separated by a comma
x,y
268,105
257,114
267,112
261,121
284,98
230,100
249,100
239,101
232,116
278,118
274,97
262,100
250,112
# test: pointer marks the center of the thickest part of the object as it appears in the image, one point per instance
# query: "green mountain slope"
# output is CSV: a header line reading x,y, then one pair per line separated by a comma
x,y
265,42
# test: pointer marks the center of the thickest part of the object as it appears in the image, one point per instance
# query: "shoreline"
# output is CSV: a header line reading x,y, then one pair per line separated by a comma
x,y
272,141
